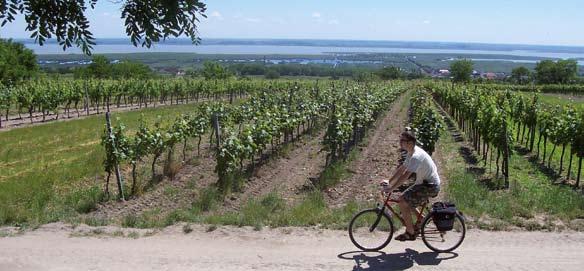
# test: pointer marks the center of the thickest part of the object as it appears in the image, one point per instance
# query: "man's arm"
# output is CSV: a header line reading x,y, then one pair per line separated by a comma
x,y
397,173
401,179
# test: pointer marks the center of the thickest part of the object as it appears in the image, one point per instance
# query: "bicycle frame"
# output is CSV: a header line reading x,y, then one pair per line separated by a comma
x,y
388,202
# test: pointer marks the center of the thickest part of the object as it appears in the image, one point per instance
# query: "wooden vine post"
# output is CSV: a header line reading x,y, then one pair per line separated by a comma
x,y
86,101
116,166
506,153
217,130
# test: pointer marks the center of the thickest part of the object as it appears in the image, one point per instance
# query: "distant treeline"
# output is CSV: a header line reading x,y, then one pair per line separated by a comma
x,y
247,69
342,70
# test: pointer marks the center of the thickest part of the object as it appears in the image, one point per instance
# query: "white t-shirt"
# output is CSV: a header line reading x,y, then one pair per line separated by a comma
x,y
421,163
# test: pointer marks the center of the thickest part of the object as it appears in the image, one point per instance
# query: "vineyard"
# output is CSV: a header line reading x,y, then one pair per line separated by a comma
x,y
70,98
228,131
498,122
250,135
553,88
245,134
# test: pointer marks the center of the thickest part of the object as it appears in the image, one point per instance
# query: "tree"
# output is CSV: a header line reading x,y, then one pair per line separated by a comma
x,y
566,70
389,73
545,72
415,74
130,69
212,70
461,70
363,76
16,62
146,21
272,74
560,72
520,74
100,67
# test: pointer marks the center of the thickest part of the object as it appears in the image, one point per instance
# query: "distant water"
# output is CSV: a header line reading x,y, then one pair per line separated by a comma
x,y
512,53
281,49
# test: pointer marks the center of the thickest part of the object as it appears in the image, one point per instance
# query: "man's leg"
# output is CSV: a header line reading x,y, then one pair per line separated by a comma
x,y
407,215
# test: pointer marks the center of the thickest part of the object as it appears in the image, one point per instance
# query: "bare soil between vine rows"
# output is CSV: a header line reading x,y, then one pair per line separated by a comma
x,y
166,195
289,173
376,161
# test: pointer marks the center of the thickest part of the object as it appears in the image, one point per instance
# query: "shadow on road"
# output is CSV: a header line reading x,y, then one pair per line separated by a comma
x,y
378,260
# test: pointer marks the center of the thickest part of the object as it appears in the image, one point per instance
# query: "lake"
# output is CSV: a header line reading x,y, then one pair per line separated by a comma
x,y
289,50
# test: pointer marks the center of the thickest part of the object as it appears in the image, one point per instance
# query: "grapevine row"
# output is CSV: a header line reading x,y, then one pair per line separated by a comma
x,y
550,88
64,96
271,117
502,119
425,120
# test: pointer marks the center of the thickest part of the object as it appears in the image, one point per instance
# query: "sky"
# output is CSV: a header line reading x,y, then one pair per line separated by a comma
x,y
558,22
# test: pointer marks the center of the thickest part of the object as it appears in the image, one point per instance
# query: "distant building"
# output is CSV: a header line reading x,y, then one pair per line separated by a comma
x,y
444,72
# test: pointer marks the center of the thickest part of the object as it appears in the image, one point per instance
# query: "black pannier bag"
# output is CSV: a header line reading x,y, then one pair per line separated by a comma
x,y
443,214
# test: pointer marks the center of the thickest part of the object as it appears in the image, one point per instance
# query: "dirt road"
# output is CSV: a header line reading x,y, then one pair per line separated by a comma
x,y
59,247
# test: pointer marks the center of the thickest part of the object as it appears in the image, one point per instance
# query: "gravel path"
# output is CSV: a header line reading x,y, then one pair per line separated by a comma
x,y
52,247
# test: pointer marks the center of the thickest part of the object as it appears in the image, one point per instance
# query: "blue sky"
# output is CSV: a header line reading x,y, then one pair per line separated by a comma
x,y
559,22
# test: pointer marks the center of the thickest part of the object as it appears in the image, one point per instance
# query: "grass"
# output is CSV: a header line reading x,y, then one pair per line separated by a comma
x,y
53,171
334,172
554,168
270,210
533,203
558,99
267,211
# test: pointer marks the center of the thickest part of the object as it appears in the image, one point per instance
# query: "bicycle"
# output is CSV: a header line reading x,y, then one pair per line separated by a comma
x,y
376,224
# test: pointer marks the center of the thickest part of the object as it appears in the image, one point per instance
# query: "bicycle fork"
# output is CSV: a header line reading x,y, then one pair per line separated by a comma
x,y
380,211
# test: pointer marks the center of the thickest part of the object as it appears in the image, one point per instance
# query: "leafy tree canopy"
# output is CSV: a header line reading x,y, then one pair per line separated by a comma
x,y
101,67
131,69
213,70
16,62
520,74
272,74
559,72
388,73
146,21
461,70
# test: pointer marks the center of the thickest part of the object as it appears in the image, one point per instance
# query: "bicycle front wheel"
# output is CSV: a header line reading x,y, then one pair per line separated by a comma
x,y
371,230
443,241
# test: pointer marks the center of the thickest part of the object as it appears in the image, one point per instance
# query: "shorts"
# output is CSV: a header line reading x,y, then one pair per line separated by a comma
x,y
418,194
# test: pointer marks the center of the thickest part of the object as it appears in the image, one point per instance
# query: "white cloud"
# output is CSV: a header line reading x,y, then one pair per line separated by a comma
x,y
333,22
217,15
316,15
426,21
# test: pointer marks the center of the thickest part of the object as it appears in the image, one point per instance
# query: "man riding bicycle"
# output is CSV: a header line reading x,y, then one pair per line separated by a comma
x,y
427,183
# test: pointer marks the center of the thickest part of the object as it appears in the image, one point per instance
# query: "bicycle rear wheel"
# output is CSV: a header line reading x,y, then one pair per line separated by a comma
x,y
371,229
443,241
